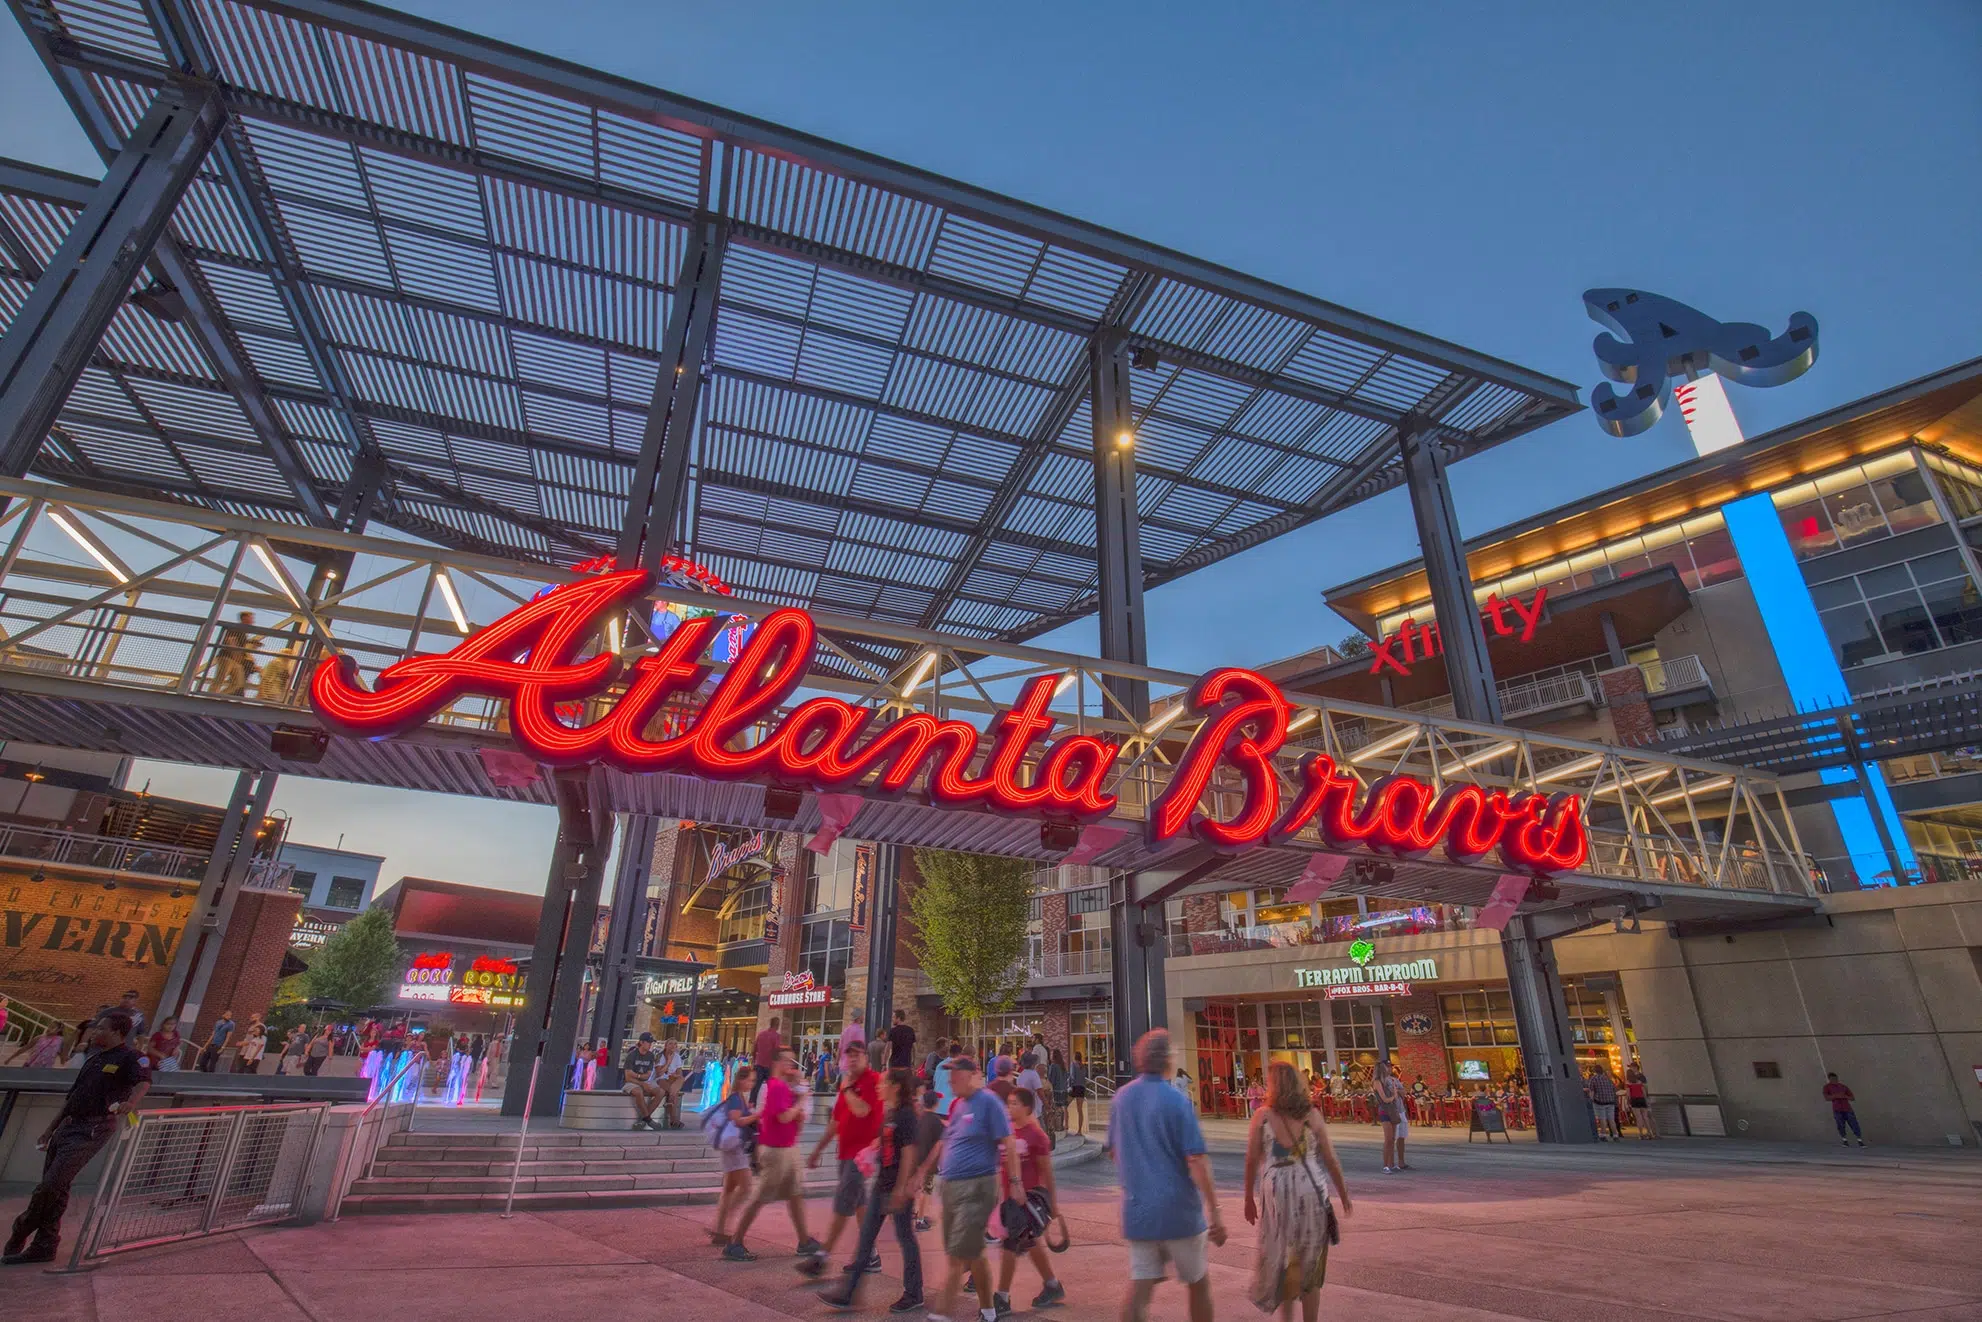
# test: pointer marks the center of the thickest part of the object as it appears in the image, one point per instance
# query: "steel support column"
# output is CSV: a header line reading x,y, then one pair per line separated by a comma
x,y
57,331
548,1023
1138,968
654,499
883,907
1541,1019
1460,637
206,927
618,987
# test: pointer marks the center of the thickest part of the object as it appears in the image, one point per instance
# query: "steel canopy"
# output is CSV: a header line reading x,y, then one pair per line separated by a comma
x,y
453,264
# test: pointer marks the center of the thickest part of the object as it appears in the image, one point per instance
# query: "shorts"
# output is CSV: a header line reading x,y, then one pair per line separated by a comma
x,y
967,1208
780,1174
1402,1123
1079,1090
850,1192
1191,1255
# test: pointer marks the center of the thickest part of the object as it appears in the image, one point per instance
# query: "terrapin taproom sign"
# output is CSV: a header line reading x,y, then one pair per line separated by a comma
x,y
531,659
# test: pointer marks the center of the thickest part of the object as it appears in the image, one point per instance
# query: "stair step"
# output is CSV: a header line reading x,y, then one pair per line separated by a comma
x,y
358,1203
455,1169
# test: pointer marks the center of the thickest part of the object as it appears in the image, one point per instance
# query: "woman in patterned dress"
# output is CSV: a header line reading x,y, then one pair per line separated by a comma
x,y
1291,1173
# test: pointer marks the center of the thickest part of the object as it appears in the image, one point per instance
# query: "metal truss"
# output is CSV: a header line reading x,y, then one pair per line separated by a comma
x,y
456,265
132,609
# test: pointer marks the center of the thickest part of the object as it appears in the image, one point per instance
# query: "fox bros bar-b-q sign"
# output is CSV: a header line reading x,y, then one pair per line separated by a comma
x,y
530,658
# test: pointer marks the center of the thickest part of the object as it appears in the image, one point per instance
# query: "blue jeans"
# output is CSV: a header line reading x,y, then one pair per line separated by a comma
x,y
1844,1118
870,1234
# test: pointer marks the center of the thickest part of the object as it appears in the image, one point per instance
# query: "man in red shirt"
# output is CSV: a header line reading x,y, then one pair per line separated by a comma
x,y
856,1124
1841,1099
778,1118
1035,1172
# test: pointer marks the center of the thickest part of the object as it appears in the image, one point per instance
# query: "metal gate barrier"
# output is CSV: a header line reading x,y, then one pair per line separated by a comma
x,y
188,1172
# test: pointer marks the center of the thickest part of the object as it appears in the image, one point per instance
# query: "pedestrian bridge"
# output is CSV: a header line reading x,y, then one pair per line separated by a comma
x,y
121,630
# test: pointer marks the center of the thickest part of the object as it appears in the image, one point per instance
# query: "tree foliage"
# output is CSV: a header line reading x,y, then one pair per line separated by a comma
x,y
970,915
357,964
1354,645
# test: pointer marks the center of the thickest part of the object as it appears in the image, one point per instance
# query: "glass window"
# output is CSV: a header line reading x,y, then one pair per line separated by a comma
x,y
825,947
1903,622
1934,568
1714,557
1855,514
1956,612
1091,1028
301,882
1808,527
830,889
1853,638
1905,499
345,892
742,916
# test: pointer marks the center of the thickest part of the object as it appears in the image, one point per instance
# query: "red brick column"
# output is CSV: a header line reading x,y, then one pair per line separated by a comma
x,y
250,956
1419,1053
1630,714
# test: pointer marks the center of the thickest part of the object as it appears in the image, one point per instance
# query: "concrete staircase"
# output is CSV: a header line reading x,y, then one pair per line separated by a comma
x,y
469,1172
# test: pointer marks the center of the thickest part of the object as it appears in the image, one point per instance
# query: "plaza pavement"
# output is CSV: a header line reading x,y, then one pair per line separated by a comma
x,y
1677,1229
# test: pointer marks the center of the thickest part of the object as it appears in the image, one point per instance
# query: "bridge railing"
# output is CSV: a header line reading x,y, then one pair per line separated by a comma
x,y
120,593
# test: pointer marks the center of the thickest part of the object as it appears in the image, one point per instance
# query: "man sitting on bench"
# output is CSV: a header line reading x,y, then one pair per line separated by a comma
x,y
640,1085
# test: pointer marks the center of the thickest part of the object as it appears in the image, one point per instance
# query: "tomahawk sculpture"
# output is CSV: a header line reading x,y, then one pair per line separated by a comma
x,y
1663,339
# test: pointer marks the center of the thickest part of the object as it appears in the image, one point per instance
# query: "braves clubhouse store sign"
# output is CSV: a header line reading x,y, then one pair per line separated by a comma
x,y
531,658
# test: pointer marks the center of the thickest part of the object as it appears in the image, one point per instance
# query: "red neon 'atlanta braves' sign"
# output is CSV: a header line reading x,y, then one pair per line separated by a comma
x,y
530,658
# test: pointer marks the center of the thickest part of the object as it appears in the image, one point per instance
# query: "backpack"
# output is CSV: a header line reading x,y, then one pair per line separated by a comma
x,y
724,1136
1025,1222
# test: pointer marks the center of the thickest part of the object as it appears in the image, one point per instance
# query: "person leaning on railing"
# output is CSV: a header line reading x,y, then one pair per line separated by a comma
x,y
111,1081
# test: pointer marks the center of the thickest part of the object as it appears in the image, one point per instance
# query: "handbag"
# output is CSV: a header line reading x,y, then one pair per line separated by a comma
x,y
1331,1227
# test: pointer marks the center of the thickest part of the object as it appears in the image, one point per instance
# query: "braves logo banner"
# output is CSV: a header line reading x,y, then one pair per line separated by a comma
x,y
531,658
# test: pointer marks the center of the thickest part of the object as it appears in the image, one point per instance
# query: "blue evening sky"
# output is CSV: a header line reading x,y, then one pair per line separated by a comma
x,y
1462,169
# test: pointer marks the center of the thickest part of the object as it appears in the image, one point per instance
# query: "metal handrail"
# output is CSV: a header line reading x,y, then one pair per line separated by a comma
x,y
104,852
1670,674
339,1184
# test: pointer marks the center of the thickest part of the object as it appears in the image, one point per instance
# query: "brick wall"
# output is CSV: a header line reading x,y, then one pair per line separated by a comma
x,y
244,972
68,946
1630,714
1418,1054
1201,920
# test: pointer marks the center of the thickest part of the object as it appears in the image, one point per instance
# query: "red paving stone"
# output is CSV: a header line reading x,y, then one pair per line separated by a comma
x,y
1681,1232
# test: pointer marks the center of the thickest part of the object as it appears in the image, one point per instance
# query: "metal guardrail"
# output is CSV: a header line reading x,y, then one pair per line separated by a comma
x,y
1674,674
107,853
1070,963
1541,695
186,1173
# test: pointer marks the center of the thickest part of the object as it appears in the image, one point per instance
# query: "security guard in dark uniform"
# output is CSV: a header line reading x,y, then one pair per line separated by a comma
x,y
110,1082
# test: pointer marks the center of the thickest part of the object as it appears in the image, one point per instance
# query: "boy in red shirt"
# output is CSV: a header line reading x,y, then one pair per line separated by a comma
x,y
1035,1172
1840,1098
856,1124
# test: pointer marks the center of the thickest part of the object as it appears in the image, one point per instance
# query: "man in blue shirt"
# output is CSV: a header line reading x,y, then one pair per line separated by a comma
x,y
1158,1148
976,1141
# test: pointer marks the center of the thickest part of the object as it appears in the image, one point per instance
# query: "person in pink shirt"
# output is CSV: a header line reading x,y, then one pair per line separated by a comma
x,y
779,1117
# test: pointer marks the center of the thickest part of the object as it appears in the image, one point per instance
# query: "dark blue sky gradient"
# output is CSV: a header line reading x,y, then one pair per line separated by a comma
x,y
1465,170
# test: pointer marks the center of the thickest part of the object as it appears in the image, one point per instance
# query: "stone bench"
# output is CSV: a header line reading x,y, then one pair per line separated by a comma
x,y
597,1110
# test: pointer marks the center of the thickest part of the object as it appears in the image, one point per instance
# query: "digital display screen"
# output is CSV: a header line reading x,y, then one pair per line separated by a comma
x,y
1474,1069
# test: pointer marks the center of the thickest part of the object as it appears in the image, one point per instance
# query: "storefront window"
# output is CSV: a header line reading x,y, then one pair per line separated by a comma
x,y
1008,1034
1091,1030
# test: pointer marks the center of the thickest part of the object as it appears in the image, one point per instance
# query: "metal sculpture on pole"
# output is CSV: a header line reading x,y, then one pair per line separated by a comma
x,y
1664,338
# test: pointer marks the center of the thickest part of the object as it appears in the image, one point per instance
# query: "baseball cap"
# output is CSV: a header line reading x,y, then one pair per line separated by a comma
x,y
646,1037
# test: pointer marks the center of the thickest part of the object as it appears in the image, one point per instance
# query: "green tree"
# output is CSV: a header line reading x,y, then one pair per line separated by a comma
x,y
970,915
357,964
1354,645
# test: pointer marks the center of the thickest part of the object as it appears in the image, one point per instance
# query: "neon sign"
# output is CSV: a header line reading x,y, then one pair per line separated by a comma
x,y
813,996
531,658
724,857
1422,642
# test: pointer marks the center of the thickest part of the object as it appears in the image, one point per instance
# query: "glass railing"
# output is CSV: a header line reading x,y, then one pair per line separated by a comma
x,y
1398,920
1069,963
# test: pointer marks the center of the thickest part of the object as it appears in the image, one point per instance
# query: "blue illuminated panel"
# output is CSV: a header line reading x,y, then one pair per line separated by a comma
x,y
1810,669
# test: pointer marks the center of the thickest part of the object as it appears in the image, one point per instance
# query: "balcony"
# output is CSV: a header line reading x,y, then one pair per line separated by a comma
x,y
1532,697
1069,964
102,853
1675,674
